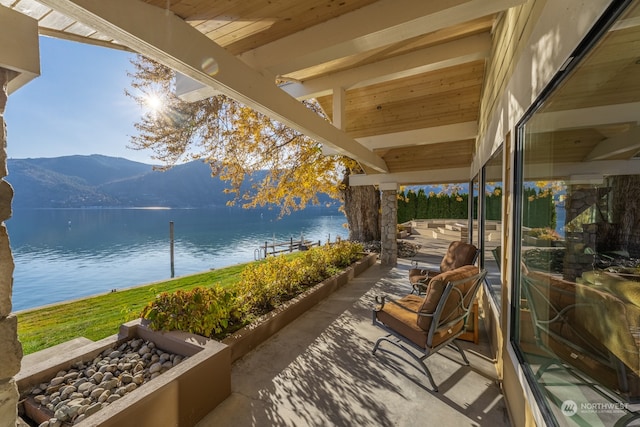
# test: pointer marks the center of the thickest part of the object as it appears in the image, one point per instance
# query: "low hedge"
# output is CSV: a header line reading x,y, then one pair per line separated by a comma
x,y
214,311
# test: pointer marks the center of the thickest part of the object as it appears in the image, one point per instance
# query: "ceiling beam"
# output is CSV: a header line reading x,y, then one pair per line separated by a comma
x,y
586,117
565,171
433,135
380,24
430,176
162,36
619,144
422,61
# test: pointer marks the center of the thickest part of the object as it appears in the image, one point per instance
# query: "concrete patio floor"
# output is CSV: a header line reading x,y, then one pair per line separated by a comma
x,y
319,370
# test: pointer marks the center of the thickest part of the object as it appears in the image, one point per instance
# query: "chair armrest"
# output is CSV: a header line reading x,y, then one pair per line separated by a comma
x,y
381,301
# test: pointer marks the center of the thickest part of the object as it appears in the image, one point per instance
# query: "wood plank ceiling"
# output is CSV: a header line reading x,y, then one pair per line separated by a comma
x,y
403,78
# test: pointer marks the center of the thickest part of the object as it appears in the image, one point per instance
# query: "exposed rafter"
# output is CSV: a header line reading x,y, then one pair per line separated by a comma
x,y
622,143
586,117
430,176
378,25
162,36
432,58
434,135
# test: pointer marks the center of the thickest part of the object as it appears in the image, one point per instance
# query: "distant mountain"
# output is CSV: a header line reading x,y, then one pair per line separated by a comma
x,y
102,181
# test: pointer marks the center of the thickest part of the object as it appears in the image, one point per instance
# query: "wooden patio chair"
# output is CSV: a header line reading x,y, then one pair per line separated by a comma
x,y
458,254
428,324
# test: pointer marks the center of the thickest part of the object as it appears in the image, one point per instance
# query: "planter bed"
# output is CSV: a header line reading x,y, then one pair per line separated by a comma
x,y
191,389
249,337
180,396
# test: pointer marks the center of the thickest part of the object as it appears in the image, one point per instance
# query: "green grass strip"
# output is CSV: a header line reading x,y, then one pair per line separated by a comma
x,y
101,316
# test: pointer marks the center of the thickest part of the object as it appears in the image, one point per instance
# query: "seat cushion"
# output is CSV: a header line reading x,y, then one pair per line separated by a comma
x,y
435,290
403,321
421,276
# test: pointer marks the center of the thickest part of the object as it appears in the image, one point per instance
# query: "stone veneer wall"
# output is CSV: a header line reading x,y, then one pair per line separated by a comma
x,y
10,348
389,204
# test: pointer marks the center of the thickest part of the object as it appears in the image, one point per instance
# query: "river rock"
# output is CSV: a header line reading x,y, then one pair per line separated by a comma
x,y
66,391
97,377
78,393
71,376
96,393
92,409
110,384
104,396
62,413
56,381
156,367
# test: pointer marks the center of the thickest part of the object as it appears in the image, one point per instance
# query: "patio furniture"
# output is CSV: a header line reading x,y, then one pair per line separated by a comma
x,y
458,254
431,323
589,330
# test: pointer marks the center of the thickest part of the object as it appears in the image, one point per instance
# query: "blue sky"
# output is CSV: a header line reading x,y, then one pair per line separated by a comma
x,y
76,106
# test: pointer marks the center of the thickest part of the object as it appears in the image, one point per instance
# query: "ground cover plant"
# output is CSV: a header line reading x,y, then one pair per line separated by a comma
x,y
216,311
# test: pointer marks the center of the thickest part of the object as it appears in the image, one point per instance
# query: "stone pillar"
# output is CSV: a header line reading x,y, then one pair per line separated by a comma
x,y
389,205
19,64
10,348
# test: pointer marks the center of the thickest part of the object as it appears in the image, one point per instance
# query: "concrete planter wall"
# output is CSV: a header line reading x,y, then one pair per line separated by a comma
x,y
186,393
180,397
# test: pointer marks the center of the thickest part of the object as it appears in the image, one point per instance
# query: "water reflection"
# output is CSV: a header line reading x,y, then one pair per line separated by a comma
x,y
67,253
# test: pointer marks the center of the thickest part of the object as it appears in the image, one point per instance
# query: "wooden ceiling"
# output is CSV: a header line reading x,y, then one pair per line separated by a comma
x,y
594,115
400,79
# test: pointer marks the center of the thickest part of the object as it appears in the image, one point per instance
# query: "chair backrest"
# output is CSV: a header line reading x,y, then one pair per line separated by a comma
x,y
448,300
458,254
591,321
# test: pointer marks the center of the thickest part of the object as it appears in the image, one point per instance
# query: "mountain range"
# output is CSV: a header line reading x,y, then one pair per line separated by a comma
x,y
102,181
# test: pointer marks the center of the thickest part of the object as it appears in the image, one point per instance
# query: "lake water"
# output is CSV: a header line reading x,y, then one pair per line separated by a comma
x,y
62,254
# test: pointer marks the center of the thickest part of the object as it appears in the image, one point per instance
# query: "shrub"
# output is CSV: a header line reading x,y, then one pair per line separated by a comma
x,y
263,286
202,311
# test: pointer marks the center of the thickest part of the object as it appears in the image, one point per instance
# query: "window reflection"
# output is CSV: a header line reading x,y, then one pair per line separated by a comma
x,y
492,202
579,307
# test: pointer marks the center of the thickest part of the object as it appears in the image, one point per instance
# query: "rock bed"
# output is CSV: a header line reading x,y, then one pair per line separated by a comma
x,y
88,387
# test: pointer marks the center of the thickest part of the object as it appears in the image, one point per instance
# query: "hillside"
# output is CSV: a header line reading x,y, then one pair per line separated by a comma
x,y
102,181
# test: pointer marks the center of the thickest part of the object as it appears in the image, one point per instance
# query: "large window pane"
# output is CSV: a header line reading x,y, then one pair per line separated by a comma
x,y
578,298
492,203
475,204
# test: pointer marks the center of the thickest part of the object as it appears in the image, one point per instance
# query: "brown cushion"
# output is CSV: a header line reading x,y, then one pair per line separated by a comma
x,y
403,321
417,275
434,293
458,254
627,290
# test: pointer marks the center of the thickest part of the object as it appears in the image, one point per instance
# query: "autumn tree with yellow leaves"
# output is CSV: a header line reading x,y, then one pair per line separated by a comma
x,y
238,143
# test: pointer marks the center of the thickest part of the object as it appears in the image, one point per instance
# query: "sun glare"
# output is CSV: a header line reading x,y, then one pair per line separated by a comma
x,y
154,102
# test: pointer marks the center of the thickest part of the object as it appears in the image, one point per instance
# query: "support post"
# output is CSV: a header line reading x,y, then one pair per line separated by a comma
x,y
20,59
389,205
171,244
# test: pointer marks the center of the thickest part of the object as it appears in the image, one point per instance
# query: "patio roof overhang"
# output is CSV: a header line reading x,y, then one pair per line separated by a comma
x,y
402,80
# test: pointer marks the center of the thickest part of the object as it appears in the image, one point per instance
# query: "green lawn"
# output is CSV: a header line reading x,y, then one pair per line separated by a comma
x,y
101,316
